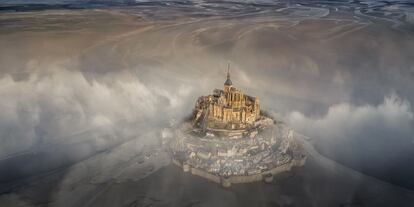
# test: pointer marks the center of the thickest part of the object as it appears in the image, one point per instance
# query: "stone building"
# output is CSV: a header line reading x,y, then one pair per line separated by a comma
x,y
227,109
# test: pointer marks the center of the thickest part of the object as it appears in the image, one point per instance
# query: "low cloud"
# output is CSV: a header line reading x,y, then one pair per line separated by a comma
x,y
393,116
375,140
46,108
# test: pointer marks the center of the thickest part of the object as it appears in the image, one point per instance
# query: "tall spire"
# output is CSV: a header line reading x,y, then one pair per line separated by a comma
x,y
228,81
228,70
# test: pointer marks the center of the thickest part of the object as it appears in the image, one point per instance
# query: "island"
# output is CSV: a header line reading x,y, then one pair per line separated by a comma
x,y
230,140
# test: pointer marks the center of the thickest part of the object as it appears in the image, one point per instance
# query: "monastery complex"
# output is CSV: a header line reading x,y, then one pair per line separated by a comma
x,y
228,109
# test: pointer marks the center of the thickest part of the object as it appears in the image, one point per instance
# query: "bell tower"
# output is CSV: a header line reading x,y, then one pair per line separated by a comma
x,y
228,84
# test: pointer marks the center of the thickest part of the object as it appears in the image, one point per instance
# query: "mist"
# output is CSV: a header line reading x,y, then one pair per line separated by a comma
x,y
75,83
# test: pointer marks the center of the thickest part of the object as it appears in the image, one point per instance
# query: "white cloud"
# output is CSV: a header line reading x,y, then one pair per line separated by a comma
x,y
45,108
344,120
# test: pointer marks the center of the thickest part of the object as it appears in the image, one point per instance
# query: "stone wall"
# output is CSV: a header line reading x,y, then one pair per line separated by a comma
x,y
246,178
206,175
227,181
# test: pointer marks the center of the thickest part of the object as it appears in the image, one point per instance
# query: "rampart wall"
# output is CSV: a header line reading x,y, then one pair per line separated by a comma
x,y
227,181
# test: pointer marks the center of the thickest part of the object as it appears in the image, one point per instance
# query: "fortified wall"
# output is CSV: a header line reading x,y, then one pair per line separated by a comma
x,y
266,176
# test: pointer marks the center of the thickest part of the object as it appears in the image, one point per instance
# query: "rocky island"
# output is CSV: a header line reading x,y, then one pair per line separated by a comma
x,y
230,140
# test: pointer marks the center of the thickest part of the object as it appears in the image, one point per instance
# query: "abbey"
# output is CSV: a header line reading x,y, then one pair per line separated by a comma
x,y
228,109
228,140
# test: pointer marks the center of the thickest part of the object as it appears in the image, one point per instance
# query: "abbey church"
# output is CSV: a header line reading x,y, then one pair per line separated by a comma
x,y
228,109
